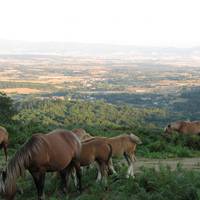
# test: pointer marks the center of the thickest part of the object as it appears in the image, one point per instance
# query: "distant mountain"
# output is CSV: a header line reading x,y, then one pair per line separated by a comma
x,y
81,49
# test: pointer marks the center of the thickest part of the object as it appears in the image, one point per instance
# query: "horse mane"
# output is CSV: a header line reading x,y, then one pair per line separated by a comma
x,y
21,160
135,138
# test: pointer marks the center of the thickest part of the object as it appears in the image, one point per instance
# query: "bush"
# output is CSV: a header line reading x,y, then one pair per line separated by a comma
x,y
193,142
157,146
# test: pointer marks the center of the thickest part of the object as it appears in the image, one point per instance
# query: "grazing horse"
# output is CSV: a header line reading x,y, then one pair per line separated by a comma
x,y
183,127
82,134
122,145
58,150
95,150
4,141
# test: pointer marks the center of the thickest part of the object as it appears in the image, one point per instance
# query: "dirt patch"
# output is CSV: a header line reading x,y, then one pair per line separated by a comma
x,y
186,163
20,90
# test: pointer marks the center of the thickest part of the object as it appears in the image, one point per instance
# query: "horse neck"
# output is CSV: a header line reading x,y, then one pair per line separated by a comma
x,y
179,125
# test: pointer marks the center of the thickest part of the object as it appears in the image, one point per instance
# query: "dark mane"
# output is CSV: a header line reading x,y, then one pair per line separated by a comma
x,y
21,160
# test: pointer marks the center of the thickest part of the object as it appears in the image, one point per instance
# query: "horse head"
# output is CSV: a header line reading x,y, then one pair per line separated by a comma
x,y
168,129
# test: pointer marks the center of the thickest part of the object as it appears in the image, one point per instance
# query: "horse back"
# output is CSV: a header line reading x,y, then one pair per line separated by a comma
x,y
62,141
55,149
190,127
95,149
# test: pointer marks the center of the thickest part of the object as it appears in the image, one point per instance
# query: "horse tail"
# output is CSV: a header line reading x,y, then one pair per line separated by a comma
x,y
110,153
135,139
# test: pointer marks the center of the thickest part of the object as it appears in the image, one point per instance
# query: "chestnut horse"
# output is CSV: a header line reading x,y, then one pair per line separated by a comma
x,y
4,141
95,150
184,127
82,135
58,150
122,145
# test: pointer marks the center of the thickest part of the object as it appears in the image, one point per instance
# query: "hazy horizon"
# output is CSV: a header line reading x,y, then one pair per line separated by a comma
x,y
21,47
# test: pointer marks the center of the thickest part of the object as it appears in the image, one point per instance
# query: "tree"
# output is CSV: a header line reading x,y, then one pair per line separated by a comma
x,y
6,109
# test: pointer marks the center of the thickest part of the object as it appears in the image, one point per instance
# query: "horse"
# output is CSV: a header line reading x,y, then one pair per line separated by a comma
x,y
96,150
122,145
58,150
4,141
82,134
183,127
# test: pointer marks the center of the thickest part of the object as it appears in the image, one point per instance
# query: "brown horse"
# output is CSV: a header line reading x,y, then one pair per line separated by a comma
x,y
184,127
96,150
4,140
82,134
58,150
122,145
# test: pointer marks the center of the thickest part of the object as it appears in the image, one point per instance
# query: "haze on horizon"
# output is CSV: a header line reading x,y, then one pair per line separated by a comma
x,y
130,22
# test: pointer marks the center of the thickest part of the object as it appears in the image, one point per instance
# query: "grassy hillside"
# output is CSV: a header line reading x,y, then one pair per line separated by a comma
x,y
101,118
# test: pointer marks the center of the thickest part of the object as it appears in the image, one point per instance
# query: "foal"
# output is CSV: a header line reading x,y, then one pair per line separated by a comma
x,y
4,141
122,145
96,150
58,150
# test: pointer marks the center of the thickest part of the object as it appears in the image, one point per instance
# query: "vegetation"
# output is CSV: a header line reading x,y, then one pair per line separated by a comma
x,y
24,118
7,109
98,118
149,184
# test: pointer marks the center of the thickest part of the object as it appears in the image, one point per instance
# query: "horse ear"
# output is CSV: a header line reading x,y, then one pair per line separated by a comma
x,y
169,126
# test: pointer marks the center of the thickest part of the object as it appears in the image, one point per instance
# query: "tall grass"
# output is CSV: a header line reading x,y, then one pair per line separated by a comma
x,y
149,184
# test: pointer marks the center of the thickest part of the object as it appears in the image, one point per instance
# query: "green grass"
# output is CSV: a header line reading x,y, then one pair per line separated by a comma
x,y
149,184
154,145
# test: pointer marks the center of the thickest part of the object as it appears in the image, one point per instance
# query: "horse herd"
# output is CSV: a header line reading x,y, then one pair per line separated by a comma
x,y
66,152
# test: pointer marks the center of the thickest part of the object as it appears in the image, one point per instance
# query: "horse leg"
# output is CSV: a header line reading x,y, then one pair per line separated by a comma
x,y
65,174
99,172
73,175
68,171
111,167
39,179
78,176
133,159
129,164
103,168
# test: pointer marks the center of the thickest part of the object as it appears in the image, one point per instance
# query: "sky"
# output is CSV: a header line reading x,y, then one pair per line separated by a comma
x,y
130,22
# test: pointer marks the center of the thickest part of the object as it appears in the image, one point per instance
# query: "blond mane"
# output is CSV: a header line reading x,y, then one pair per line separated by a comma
x,y
3,129
135,139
